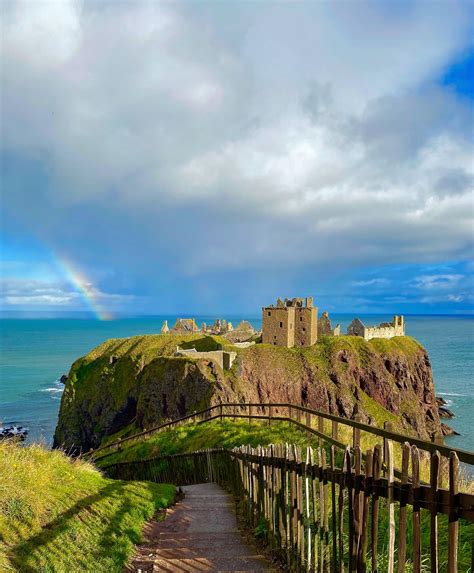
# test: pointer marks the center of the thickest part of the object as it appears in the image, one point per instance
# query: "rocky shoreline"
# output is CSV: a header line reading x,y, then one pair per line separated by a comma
x,y
13,432
446,414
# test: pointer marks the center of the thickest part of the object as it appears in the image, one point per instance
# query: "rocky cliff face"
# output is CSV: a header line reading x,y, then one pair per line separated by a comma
x,y
140,380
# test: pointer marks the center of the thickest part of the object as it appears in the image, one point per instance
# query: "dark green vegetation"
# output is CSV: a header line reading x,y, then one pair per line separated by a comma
x,y
139,381
59,515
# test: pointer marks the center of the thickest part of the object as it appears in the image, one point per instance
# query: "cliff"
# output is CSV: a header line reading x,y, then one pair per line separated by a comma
x,y
139,380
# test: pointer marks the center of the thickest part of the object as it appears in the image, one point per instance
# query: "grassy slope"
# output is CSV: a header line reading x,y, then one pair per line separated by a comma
x,y
214,434
62,515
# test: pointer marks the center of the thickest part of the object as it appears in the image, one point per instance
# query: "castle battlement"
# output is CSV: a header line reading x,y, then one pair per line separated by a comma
x,y
293,322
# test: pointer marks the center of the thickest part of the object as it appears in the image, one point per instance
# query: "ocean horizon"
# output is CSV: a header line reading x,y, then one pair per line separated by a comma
x,y
35,352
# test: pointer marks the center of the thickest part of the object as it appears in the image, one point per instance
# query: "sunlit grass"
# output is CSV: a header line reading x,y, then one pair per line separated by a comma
x,y
59,515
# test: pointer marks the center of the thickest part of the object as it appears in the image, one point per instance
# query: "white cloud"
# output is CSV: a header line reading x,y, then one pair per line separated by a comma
x,y
372,282
38,294
239,136
438,282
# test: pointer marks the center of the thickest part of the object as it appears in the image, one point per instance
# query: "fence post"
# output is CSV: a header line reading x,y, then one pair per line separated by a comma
x,y
270,408
250,413
335,430
356,432
321,424
402,528
434,484
453,527
389,427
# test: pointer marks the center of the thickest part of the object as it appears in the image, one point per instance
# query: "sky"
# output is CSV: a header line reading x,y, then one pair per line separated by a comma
x,y
208,157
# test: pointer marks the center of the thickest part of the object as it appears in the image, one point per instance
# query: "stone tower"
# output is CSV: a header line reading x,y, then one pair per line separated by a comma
x,y
290,323
164,328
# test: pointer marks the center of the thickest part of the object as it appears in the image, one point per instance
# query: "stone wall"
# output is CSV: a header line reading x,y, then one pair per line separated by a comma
x,y
223,358
306,326
278,326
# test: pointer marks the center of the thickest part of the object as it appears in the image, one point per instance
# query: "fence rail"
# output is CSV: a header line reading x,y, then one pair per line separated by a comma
x,y
333,511
312,421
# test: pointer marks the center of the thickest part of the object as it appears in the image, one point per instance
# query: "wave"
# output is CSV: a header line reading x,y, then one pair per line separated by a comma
x,y
452,394
58,388
53,390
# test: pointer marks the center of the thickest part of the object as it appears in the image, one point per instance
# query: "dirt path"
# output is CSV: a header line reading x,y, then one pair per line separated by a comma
x,y
199,534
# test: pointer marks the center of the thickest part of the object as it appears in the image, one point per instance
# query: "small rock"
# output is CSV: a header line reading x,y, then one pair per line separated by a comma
x,y
447,431
17,432
440,401
445,413
63,378
113,359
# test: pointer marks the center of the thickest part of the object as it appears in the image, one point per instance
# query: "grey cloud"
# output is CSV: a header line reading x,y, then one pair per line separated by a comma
x,y
191,142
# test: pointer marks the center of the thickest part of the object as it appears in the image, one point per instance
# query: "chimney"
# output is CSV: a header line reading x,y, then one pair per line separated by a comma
x,y
309,302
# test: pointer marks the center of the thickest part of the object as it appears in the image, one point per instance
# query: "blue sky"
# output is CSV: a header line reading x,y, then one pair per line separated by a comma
x,y
209,157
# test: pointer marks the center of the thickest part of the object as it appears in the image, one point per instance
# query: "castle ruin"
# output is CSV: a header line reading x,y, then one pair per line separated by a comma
x,y
293,322
383,330
325,328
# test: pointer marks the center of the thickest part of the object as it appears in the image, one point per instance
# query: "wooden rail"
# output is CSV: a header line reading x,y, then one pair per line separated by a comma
x,y
329,511
311,421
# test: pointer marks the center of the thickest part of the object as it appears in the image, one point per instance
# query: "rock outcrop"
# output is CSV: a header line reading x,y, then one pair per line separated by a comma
x,y
140,380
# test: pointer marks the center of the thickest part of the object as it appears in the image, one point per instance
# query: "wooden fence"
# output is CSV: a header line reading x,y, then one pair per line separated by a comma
x,y
332,511
326,427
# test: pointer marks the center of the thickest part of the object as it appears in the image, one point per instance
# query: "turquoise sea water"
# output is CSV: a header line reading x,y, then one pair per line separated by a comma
x,y
34,354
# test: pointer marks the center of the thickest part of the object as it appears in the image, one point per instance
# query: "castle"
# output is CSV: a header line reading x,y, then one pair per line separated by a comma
x,y
293,323
290,323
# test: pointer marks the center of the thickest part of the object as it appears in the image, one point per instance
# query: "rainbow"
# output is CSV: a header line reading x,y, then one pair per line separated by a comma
x,y
84,287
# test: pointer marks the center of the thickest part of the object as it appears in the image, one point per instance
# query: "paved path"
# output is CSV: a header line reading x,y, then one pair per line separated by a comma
x,y
199,534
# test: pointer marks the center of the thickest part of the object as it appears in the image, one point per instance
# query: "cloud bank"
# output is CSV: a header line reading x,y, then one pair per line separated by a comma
x,y
205,151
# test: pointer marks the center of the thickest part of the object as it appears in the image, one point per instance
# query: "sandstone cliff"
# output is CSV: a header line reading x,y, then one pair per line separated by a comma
x,y
139,380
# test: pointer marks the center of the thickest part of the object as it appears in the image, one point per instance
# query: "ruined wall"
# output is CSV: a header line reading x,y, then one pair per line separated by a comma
x,y
306,326
384,330
223,358
278,326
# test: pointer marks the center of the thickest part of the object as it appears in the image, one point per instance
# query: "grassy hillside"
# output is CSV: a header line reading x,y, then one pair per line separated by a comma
x,y
59,515
214,434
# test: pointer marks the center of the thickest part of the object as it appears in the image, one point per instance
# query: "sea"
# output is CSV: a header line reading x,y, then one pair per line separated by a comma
x,y
34,353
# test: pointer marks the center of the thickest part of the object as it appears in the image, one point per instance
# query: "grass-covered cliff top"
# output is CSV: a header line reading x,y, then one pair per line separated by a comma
x,y
147,347
59,515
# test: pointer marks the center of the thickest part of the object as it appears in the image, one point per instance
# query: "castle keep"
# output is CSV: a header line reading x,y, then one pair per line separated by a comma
x,y
290,323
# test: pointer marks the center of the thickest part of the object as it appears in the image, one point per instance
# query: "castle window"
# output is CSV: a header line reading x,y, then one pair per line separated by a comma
x,y
304,329
281,324
301,319
269,313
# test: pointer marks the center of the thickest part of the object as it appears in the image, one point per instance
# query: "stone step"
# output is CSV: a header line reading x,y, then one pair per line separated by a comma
x,y
210,550
231,564
170,540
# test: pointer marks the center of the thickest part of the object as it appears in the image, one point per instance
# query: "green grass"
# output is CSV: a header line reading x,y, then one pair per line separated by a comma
x,y
59,515
214,434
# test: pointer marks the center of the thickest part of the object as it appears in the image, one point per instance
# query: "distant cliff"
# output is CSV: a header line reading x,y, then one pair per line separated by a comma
x,y
139,380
